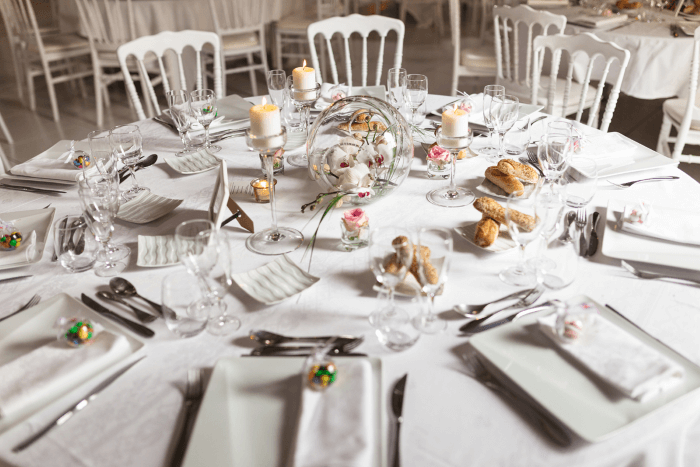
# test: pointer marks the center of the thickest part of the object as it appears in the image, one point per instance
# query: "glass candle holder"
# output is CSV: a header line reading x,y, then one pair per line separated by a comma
x,y
261,191
355,238
303,100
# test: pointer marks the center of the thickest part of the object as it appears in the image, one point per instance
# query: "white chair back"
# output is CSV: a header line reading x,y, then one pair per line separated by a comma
x,y
108,23
589,45
506,22
690,108
363,25
158,44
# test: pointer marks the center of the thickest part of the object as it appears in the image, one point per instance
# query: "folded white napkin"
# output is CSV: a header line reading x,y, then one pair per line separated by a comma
x,y
41,372
25,251
47,168
609,151
336,426
619,359
674,225
234,107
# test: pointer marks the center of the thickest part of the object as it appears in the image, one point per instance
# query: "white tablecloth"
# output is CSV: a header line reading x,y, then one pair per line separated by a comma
x,y
449,418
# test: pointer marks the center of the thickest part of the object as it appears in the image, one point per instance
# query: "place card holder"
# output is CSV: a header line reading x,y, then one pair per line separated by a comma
x,y
221,198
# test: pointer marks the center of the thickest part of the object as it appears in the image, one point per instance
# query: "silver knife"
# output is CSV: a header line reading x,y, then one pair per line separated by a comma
x,y
527,300
593,243
30,189
397,408
518,315
583,246
80,405
16,278
107,313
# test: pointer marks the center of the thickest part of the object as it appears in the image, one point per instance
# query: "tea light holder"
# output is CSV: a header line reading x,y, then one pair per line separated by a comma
x,y
260,190
303,100
452,196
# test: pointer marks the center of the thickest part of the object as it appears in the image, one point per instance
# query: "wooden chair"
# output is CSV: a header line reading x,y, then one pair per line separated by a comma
x,y
683,115
363,25
44,54
475,60
592,47
158,44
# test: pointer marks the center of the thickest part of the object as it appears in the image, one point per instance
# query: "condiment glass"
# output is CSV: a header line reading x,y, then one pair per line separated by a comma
x,y
416,93
490,92
524,219
181,114
127,144
434,253
504,113
203,105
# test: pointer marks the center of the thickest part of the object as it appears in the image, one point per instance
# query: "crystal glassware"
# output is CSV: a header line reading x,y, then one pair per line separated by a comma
x,y
181,113
434,253
490,92
276,82
416,93
127,144
452,196
203,105
74,246
524,219
354,238
552,155
275,240
551,208
102,156
181,297
396,86
303,100
560,264
504,114
399,335
99,198
580,182
517,139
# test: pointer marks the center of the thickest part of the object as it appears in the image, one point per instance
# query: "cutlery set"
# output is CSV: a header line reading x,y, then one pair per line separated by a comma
x,y
579,217
273,345
124,173
475,324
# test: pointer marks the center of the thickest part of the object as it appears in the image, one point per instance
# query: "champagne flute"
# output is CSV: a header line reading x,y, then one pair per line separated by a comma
x,y
276,82
203,105
490,92
127,143
524,219
181,113
504,113
396,86
434,253
416,93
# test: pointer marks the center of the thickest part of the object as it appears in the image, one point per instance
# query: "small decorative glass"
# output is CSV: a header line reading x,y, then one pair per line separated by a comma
x,y
517,139
260,190
452,196
439,163
354,229
277,163
74,244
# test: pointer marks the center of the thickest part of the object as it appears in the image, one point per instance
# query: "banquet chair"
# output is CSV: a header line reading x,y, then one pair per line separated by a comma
x,y
242,34
158,45
592,47
45,54
418,8
363,25
475,60
5,130
683,115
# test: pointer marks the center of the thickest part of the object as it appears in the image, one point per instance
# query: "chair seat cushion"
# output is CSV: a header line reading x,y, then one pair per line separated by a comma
x,y
574,95
61,42
480,60
240,41
675,108
295,22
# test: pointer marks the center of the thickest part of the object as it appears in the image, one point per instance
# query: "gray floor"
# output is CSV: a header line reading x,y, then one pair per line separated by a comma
x,y
425,52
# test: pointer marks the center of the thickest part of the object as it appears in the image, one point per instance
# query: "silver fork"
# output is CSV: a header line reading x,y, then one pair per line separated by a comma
x,y
653,275
193,396
532,158
32,302
305,350
629,184
476,370
581,221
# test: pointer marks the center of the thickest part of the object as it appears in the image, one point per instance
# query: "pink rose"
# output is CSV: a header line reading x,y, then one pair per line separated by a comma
x,y
466,106
338,95
355,218
438,154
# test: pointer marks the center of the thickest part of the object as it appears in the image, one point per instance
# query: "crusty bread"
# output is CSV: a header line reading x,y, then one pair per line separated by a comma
x,y
507,183
486,232
364,126
360,115
520,171
495,211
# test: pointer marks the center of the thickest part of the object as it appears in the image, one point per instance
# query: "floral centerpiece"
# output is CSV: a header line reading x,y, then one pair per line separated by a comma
x,y
354,228
438,160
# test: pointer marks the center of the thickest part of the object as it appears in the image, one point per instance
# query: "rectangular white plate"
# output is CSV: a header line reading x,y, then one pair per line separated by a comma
x,y
644,159
275,281
147,208
40,221
628,246
522,356
249,412
53,153
33,328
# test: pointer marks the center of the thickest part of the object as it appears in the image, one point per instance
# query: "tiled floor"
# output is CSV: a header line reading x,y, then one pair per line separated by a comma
x,y
424,52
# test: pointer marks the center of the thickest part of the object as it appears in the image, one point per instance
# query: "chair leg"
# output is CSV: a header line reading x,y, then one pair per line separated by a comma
x,y
31,92
105,96
251,73
440,20
52,91
662,144
278,50
402,11
99,88
6,131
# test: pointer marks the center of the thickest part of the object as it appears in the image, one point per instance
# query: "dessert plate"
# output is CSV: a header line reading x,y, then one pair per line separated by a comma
x,y
275,281
502,244
39,221
147,208
157,251
491,189
199,162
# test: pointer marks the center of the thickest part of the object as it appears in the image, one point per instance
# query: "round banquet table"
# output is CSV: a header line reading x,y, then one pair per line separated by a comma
x,y
449,418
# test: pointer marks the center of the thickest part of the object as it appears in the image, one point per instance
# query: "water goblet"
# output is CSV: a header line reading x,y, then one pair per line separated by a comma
x,y
203,105
432,270
452,196
504,113
396,86
416,93
517,139
400,335
75,248
127,144
490,92
101,155
551,209
276,82
181,113
524,219
552,155
559,126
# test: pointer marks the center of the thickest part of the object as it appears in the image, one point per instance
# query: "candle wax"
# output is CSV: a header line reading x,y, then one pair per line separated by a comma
x,y
265,120
304,78
455,123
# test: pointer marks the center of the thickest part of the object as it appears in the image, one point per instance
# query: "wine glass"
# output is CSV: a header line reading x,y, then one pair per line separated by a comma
x,y
276,82
203,105
127,144
504,113
552,155
396,86
434,253
551,209
490,92
524,219
559,126
101,154
416,93
390,253
99,199
181,113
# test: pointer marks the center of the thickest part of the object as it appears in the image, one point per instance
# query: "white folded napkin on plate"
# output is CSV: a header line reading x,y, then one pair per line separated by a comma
x,y
336,426
48,168
234,108
609,151
25,252
37,374
674,225
617,358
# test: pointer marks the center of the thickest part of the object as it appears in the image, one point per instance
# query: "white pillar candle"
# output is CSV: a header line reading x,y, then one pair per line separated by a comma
x,y
455,123
265,120
304,78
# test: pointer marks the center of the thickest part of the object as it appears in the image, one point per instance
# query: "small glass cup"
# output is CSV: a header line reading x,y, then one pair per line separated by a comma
x,y
181,296
517,139
277,164
560,265
399,335
74,244
261,192
438,169
354,239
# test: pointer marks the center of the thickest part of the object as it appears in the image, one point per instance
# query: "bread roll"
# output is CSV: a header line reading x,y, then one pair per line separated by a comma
x,y
486,232
364,126
495,211
508,183
520,171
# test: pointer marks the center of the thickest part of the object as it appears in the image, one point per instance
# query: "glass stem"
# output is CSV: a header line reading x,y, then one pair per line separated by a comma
x,y
134,183
521,262
431,307
269,168
305,117
185,140
413,115
453,169
206,136
501,144
392,306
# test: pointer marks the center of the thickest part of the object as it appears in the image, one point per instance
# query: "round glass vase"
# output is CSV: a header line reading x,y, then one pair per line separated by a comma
x,y
355,238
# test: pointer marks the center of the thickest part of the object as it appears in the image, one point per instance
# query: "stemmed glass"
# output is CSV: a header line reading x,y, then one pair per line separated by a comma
x,y
99,199
276,82
490,92
303,100
396,86
504,113
524,219
203,105
452,196
181,113
390,256
127,143
552,155
434,253
416,93
551,204
101,154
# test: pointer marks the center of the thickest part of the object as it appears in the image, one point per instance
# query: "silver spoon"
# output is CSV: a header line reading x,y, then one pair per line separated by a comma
x,y
653,275
629,184
270,338
140,314
123,287
473,311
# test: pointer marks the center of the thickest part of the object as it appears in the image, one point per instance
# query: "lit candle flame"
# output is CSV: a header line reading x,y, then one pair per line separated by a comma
x,y
454,108
303,67
264,101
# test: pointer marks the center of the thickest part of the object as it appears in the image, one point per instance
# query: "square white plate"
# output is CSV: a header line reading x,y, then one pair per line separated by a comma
x,y
644,159
248,414
521,355
200,161
502,244
275,281
33,328
628,246
147,208
38,220
157,251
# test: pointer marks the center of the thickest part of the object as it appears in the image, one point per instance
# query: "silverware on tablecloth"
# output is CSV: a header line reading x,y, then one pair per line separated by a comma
x,y
32,302
593,242
80,405
124,288
61,228
620,26
516,316
341,345
581,221
193,399
526,301
42,191
653,275
339,354
566,234
47,206
532,159
629,184
16,278
141,315
473,311
127,323
476,369
271,338
397,408
147,162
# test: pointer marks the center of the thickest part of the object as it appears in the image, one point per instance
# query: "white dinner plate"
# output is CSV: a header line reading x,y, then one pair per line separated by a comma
x,y
502,244
198,162
38,220
248,414
518,353
157,251
146,208
491,189
628,246
29,330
